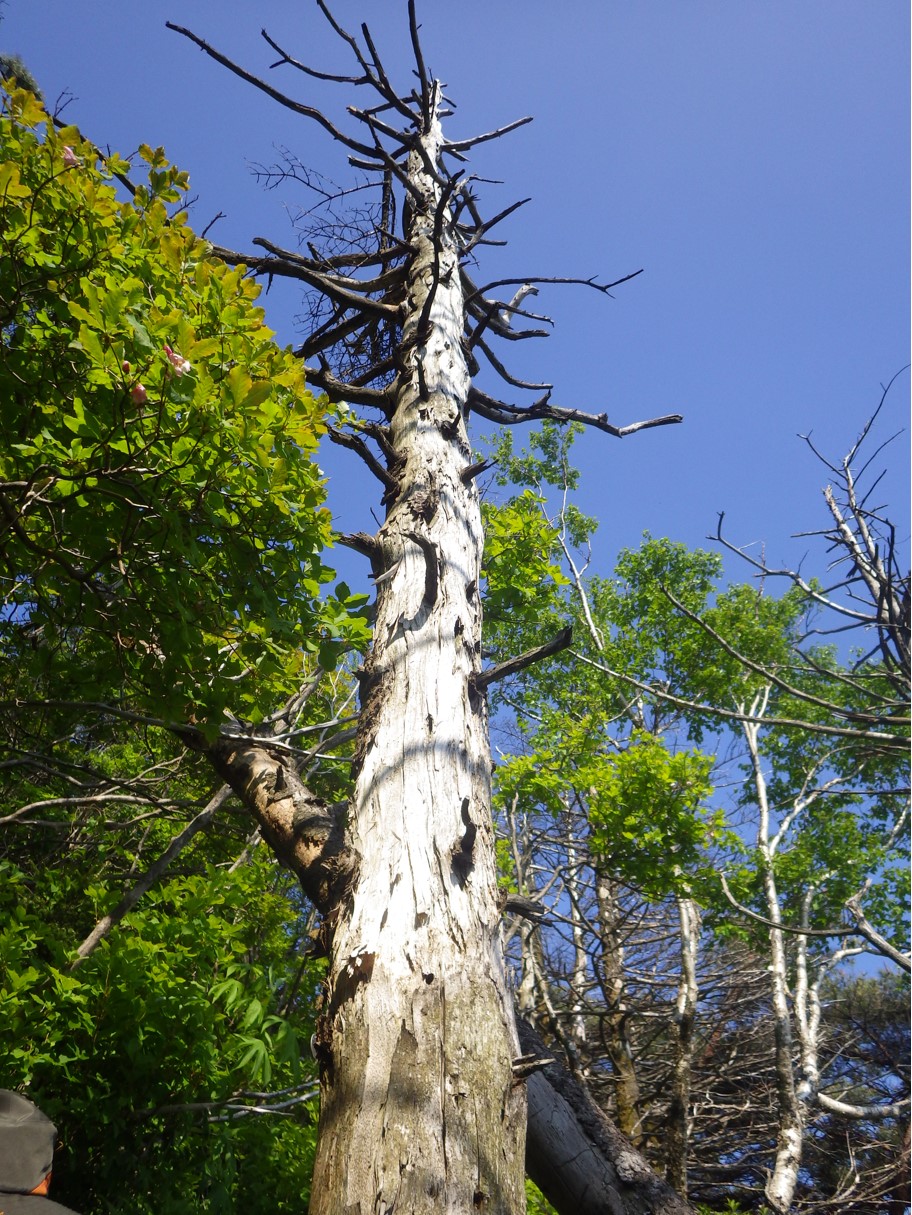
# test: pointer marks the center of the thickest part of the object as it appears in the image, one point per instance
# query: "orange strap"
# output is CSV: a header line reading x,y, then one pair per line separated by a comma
x,y
43,1187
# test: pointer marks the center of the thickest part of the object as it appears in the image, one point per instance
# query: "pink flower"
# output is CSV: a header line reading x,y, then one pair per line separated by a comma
x,y
70,159
178,362
138,395
125,366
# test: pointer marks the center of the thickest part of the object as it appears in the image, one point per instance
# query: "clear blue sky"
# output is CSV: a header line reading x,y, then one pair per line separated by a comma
x,y
752,157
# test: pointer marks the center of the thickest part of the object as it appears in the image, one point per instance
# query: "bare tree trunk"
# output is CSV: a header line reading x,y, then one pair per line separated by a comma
x,y
580,977
678,1135
780,1189
627,1086
421,1111
578,1159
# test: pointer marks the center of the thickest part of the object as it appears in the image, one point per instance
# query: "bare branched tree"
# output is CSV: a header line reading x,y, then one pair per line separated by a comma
x,y
423,1074
869,594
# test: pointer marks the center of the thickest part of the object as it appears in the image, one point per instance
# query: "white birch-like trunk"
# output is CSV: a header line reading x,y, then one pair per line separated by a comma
x,y
679,1120
780,1189
420,1109
580,979
807,1010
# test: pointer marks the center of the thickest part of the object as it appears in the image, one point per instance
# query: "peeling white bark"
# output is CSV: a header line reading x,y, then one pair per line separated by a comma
x,y
421,1111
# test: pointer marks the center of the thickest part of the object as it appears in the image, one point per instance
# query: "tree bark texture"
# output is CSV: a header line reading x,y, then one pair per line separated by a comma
x,y
303,831
617,1038
678,1131
572,1151
577,1158
420,1107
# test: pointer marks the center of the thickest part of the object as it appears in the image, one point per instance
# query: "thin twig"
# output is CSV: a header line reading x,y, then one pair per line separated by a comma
x,y
150,877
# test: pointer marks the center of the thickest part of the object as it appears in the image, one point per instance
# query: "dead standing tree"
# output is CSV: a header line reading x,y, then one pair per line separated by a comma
x,y
423,1077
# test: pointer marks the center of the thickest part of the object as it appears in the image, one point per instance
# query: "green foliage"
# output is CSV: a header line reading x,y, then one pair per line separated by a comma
x,y
625,733
522,577
648,812
162,513
646,801
644,636
536,1202
190,1002
645,805
731,1206
204,990
544,468
161,525
662,609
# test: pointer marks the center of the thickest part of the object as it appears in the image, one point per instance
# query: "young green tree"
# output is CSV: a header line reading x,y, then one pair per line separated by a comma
x,y
174,1060
162,515
814,752
626,802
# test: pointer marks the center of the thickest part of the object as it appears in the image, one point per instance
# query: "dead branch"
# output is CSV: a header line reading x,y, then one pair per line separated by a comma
x,y
419,63
347,292
180,841
360,448
471,471
836,931
369,546
477,233
463,145
238,1105
886,742
509,415
865,546
381,282
892,1109
874,719
503,669
306,834
604,288
502,371
289,103
866,929
355,394
381,436
334,331
284,58
373,74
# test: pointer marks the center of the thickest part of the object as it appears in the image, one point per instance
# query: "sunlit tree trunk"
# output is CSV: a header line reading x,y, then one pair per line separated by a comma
x,y
780,1189
678,1133
580,976
423,1090
421,1111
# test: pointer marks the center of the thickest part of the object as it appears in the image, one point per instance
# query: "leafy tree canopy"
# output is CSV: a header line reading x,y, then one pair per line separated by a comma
x,y
161,530
161,511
